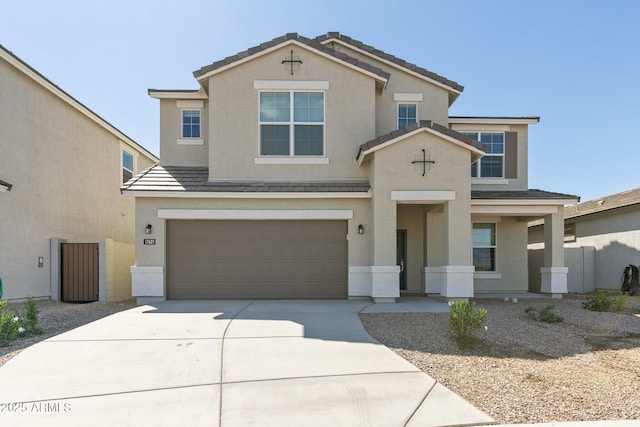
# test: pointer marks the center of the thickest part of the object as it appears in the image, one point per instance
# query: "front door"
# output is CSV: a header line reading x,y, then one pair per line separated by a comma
x,y
401,257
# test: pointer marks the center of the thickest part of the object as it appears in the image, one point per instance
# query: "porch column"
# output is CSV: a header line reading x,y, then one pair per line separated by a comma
x,y
554,273
455,276
385,273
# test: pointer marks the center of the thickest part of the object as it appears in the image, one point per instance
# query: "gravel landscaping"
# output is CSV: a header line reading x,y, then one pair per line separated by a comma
x,y
524,371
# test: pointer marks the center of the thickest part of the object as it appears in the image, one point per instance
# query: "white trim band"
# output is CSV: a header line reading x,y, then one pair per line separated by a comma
x,y
181,194
423,196
407,97
257,214
291,160
291,84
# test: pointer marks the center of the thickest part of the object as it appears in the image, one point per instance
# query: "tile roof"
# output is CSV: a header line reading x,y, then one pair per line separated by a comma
x,y
282,39
531,194
185,178
6,185
390,58
602,204
419,125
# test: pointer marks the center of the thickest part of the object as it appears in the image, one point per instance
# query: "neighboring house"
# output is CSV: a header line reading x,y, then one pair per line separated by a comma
x,y
61,170
325,168
602,236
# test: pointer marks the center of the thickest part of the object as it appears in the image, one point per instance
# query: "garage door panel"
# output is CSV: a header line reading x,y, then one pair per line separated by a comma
x,y
256,259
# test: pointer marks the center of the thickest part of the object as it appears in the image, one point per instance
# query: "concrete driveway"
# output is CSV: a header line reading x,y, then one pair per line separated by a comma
x,y
225,363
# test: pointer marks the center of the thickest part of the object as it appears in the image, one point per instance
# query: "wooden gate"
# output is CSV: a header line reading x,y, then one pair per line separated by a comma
x,y
79,272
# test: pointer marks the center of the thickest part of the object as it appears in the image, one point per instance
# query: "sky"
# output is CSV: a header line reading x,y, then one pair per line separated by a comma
x,y
573,63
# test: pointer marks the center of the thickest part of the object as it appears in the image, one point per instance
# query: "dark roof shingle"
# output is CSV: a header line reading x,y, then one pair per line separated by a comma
x,y
602,204
196,179
530,194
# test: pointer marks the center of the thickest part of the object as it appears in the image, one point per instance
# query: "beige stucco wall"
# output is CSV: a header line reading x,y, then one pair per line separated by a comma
x,y
392,170
234,118
171,152
66,172
522,181
154,255
511,256
435,101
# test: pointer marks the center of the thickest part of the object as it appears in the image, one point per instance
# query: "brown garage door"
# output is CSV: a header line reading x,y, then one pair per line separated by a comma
x,y
256,259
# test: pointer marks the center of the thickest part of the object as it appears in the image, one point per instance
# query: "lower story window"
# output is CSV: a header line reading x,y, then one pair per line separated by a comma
x,y
484,246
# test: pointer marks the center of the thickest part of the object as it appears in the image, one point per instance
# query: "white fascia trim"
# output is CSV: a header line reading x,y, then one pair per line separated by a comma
x,y
494,120
415,132
41,80
521,202
257,214
407,97
291,160
247,195
426,196
157,94
513,210
281,45
291,84
393,64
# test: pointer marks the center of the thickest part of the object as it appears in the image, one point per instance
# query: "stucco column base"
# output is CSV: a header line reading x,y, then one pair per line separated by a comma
x,y
147,281
554,281
450,281
385,283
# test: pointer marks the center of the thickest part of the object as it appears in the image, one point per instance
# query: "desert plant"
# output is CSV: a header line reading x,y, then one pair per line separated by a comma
x,y
606,301
545,315
31,317
464,320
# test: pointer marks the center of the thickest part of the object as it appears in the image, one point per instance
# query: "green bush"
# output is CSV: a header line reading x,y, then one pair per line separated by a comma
x,y
545,315
464,320
606,301
13,326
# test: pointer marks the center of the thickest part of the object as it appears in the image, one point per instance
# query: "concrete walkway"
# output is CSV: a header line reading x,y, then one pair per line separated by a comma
x,y
226,363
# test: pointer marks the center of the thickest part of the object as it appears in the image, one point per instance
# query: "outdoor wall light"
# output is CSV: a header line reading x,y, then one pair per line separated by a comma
x,y
147,229
360,229
40,262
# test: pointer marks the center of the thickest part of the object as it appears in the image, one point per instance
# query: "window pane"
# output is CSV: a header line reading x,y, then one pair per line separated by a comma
x,y
491,167
127,161
308,107
406,114
484,234
274,140
495,142
484,259
308,140
191,124
274,107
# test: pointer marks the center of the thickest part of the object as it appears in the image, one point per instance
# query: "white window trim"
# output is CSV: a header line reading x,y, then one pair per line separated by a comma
x,y
489,180
291,123
407,97
134,156
398,111
486,274
183,140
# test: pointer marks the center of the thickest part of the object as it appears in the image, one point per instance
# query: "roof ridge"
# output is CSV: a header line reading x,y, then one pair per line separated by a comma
x,y
389,57
282,39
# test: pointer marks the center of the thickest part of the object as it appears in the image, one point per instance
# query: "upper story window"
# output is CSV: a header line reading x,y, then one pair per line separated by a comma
x,y
291,123
191,123
484,246
127,166
492,164
407,114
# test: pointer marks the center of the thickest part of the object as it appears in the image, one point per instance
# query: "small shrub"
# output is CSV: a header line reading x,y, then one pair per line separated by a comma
x,y
464,320
545,315
606,301
31,317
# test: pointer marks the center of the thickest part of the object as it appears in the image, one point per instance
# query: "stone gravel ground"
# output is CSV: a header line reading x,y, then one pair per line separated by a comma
x,y
524,371
57,317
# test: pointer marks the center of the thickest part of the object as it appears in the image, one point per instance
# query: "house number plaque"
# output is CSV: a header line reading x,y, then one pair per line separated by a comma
x,y
149,241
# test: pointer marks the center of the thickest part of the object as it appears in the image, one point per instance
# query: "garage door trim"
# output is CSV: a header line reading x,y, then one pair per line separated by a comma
x,y
256,214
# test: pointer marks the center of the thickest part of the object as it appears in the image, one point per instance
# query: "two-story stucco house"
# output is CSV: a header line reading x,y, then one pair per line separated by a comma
x,y
61,169
325,168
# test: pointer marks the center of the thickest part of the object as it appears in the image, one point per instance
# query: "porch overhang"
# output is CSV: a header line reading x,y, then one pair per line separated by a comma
x,y
423,196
